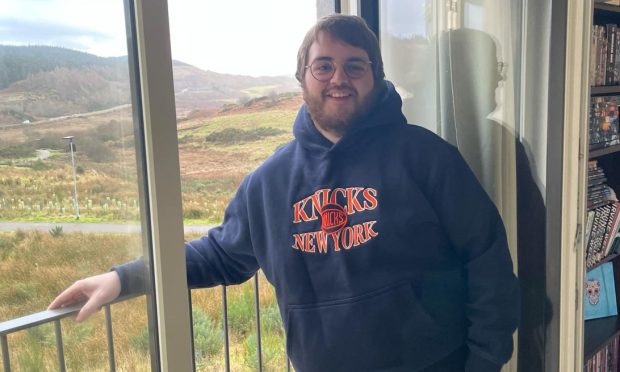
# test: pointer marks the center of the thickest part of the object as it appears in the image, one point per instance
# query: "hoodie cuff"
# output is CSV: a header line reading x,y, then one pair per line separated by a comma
x,y
132,275
476,363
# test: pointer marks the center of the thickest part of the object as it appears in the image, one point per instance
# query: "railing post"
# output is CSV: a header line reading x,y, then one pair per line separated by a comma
x,y
5,353
258,337
59,346
225,317
110,337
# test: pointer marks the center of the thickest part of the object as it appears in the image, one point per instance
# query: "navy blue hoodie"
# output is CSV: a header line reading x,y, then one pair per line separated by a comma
x,y
385,252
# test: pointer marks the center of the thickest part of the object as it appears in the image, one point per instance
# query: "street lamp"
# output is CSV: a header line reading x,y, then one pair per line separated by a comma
x,y
75,197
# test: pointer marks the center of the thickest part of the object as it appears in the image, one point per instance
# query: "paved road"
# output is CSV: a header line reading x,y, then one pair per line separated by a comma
x,y
70,116
89,227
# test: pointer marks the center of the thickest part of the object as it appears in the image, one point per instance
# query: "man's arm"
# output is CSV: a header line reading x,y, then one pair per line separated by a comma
x,y
477,233
224,256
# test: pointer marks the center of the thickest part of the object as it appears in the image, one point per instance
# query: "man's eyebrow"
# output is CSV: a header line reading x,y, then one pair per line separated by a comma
x,y
327,58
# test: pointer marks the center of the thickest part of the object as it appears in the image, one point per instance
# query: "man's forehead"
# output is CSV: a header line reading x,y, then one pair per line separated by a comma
x,y
326,45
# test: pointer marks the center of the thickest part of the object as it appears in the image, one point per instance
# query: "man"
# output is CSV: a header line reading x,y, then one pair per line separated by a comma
x,y
385,252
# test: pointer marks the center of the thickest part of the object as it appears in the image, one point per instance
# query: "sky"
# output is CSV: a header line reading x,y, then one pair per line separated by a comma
x,y
244,37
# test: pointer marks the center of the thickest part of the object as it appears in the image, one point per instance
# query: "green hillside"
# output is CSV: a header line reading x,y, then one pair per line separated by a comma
x,y
19,62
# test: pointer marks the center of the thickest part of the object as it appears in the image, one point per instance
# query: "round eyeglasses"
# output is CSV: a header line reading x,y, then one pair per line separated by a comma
x,y
324,69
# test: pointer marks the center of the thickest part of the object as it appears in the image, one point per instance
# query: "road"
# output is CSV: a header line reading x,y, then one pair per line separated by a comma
x,y
90,227
70,116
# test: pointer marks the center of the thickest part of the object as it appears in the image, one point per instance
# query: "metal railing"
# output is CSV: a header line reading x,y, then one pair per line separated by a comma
x,y
55,316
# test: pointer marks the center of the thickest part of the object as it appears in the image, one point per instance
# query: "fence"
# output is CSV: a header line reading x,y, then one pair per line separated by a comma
x,y
49,316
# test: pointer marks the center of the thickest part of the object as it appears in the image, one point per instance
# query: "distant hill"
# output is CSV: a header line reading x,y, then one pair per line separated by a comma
x,y
19,62
199,89
39,82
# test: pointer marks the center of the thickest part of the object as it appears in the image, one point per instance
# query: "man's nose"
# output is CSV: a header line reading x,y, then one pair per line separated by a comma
x,y
339,75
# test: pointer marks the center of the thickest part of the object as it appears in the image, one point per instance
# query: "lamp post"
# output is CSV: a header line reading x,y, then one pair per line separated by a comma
x,y
75,197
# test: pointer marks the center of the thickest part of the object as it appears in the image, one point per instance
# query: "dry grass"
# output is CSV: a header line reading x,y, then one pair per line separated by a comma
x,y
34,267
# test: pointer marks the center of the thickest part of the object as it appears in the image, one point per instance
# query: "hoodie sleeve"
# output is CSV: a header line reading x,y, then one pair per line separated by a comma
x,y
225,255
476,231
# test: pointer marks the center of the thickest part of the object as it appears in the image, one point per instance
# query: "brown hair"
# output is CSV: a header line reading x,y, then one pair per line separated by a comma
x,y
352,30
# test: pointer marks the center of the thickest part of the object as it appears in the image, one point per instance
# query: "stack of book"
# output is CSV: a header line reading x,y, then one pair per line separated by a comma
x,y
605,55
603,220
606,360
603,123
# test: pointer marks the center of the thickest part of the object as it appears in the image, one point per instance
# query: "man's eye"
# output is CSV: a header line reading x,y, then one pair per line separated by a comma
x,y
323,67
356,67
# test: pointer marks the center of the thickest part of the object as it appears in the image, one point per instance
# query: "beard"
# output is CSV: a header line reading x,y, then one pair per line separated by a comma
x,y
340,120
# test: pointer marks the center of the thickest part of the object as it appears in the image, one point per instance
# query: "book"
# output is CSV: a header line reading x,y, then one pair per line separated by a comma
x,y
610,58
614,225
603,122
600,293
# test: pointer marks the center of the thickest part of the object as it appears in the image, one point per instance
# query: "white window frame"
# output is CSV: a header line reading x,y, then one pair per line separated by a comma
x,y
172,308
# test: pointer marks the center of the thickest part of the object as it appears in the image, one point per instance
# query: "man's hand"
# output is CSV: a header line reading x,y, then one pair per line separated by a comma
x,y
98,290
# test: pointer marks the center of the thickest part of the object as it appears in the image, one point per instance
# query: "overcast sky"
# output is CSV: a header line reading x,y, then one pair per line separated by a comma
x,y
229,36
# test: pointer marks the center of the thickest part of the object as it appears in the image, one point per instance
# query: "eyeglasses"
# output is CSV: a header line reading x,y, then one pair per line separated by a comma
x,y
324,69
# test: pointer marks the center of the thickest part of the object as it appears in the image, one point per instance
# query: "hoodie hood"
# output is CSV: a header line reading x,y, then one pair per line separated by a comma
x,y
386,112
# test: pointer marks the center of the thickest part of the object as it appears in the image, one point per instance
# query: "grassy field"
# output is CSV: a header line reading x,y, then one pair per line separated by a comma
x,y
216,152
35,266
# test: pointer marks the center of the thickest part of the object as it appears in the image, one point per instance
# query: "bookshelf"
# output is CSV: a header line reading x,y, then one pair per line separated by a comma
x,y
601,334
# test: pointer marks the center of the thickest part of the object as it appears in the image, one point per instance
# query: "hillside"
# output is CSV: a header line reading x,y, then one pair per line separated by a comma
x,y
40,82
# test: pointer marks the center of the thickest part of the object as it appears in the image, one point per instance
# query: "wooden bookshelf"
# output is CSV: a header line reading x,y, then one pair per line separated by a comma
x,y
598,332
606,8
604,151
604,90
610,257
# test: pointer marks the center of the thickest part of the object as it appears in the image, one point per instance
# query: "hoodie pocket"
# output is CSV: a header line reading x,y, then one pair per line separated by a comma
x,y
380,330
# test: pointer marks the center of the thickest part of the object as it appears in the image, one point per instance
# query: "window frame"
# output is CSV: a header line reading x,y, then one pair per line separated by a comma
x,y
150,55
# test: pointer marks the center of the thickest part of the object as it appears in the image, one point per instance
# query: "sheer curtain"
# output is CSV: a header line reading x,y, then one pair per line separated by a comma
x,y
476,73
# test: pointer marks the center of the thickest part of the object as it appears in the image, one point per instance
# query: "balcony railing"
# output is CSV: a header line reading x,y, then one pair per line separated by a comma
x,y
55,316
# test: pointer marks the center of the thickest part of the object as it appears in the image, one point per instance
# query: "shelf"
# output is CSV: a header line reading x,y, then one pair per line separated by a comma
x,y
605,90
593,154
598,332
607,7
610,257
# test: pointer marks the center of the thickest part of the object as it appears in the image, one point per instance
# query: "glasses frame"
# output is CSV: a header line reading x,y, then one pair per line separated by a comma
x,y
308,67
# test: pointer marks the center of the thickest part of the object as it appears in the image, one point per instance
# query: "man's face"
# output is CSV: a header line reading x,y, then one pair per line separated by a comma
x,y
336,103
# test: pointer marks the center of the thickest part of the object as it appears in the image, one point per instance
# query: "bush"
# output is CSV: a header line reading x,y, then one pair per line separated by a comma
x,y
208,337
234,135
56,231
193,214
241,312
17,151
39,165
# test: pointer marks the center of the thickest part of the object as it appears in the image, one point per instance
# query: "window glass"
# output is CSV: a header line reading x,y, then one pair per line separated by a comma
x,y
409,45
236,98
457,65
70,204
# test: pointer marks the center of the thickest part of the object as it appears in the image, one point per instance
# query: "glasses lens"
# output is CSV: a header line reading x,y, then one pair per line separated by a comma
x,y
355,69
322,70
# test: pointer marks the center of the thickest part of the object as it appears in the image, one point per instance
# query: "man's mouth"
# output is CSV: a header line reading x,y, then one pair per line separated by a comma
x,y
339,94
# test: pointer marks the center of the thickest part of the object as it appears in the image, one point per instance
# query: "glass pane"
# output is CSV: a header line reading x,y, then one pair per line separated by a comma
x,y
458,67
407,32
69,182
236,99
